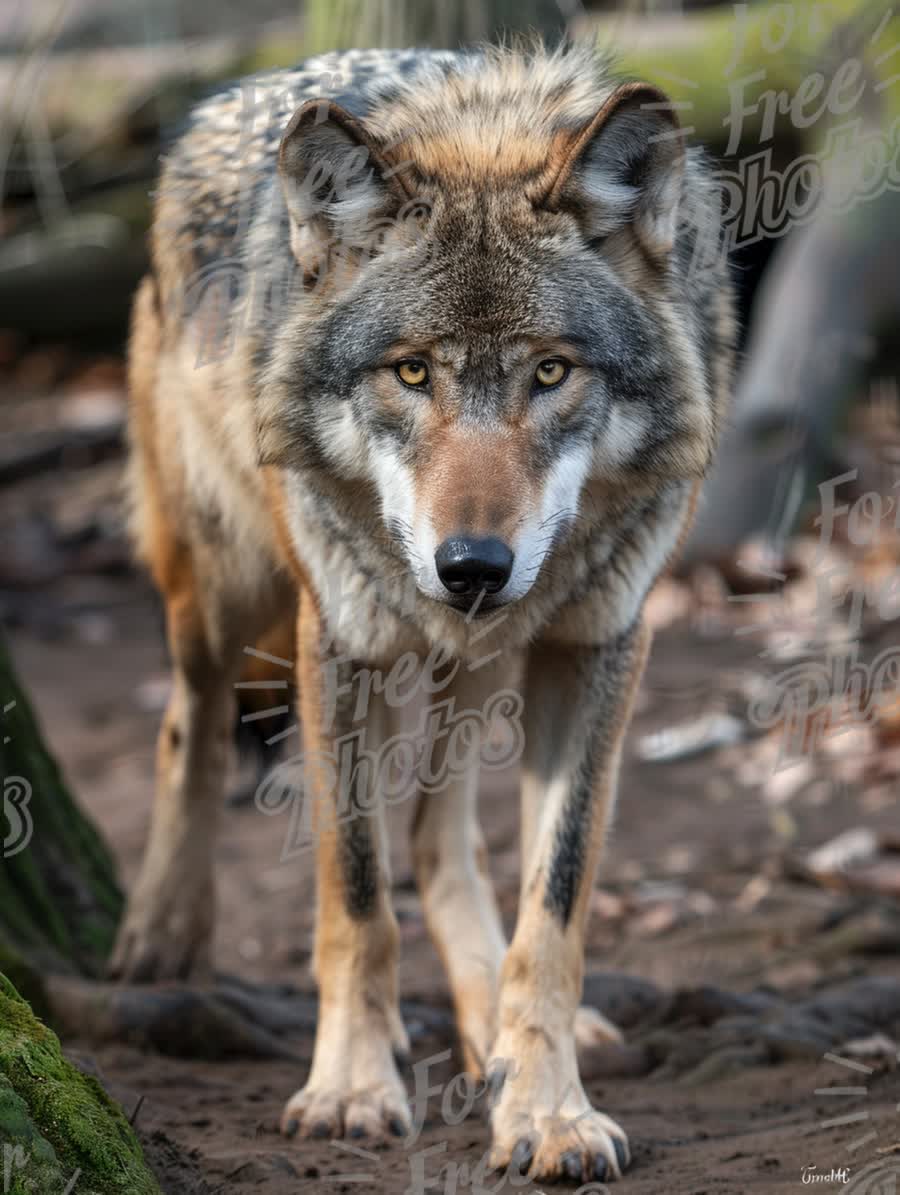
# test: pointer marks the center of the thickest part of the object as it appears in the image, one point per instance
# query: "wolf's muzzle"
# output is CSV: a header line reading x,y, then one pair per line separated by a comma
x,y
469,565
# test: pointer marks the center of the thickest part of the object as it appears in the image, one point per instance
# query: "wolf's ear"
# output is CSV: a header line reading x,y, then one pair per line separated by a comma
x,y
624,168
337,185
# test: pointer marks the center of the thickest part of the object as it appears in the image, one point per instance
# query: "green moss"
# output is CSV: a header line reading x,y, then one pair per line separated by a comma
x,y
63,1119
29,1161
711,51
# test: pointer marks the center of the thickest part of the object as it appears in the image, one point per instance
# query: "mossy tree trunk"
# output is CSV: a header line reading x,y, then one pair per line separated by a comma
x,y
59,905
59,900
59,1130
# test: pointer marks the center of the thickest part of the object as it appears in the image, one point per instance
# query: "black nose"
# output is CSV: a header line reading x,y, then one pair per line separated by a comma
x,y
467,565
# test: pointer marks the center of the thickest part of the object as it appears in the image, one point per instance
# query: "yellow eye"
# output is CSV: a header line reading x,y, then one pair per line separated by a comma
x,y
411,373
551,372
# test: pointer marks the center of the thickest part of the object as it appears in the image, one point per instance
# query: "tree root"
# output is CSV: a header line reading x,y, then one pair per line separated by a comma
x,y
230,1018
171,1018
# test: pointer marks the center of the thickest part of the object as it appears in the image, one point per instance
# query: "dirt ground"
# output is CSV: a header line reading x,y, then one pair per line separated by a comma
x,y
696,894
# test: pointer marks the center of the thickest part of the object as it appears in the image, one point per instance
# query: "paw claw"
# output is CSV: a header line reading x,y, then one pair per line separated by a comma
x,y
571,1164
496,1080
397,1127
522,1156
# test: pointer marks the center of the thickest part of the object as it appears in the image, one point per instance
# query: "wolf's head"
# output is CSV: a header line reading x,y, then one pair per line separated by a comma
x,y
494,331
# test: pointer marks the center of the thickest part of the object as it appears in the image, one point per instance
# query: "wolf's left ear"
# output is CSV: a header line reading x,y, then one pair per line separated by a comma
x,y
624,168
337,183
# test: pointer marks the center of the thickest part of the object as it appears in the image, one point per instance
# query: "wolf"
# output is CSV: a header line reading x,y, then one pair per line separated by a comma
x,y
424,329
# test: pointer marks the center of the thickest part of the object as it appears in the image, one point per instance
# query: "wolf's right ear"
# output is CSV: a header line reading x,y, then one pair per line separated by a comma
x,y
624,168
337,183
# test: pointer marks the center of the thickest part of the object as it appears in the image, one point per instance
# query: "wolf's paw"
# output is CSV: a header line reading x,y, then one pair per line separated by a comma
x,y
170,939
586,1148
593,1029
543,1124
375,1113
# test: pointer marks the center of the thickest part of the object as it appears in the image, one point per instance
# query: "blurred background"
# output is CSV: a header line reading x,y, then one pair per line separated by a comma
x,y
758,845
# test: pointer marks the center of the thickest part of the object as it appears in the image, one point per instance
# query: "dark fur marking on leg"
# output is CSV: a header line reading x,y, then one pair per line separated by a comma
x,y
359,866
358,856
567,862
604,670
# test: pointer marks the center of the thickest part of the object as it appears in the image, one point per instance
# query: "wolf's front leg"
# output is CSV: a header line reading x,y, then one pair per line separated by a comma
x,y
353,1086
578,701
